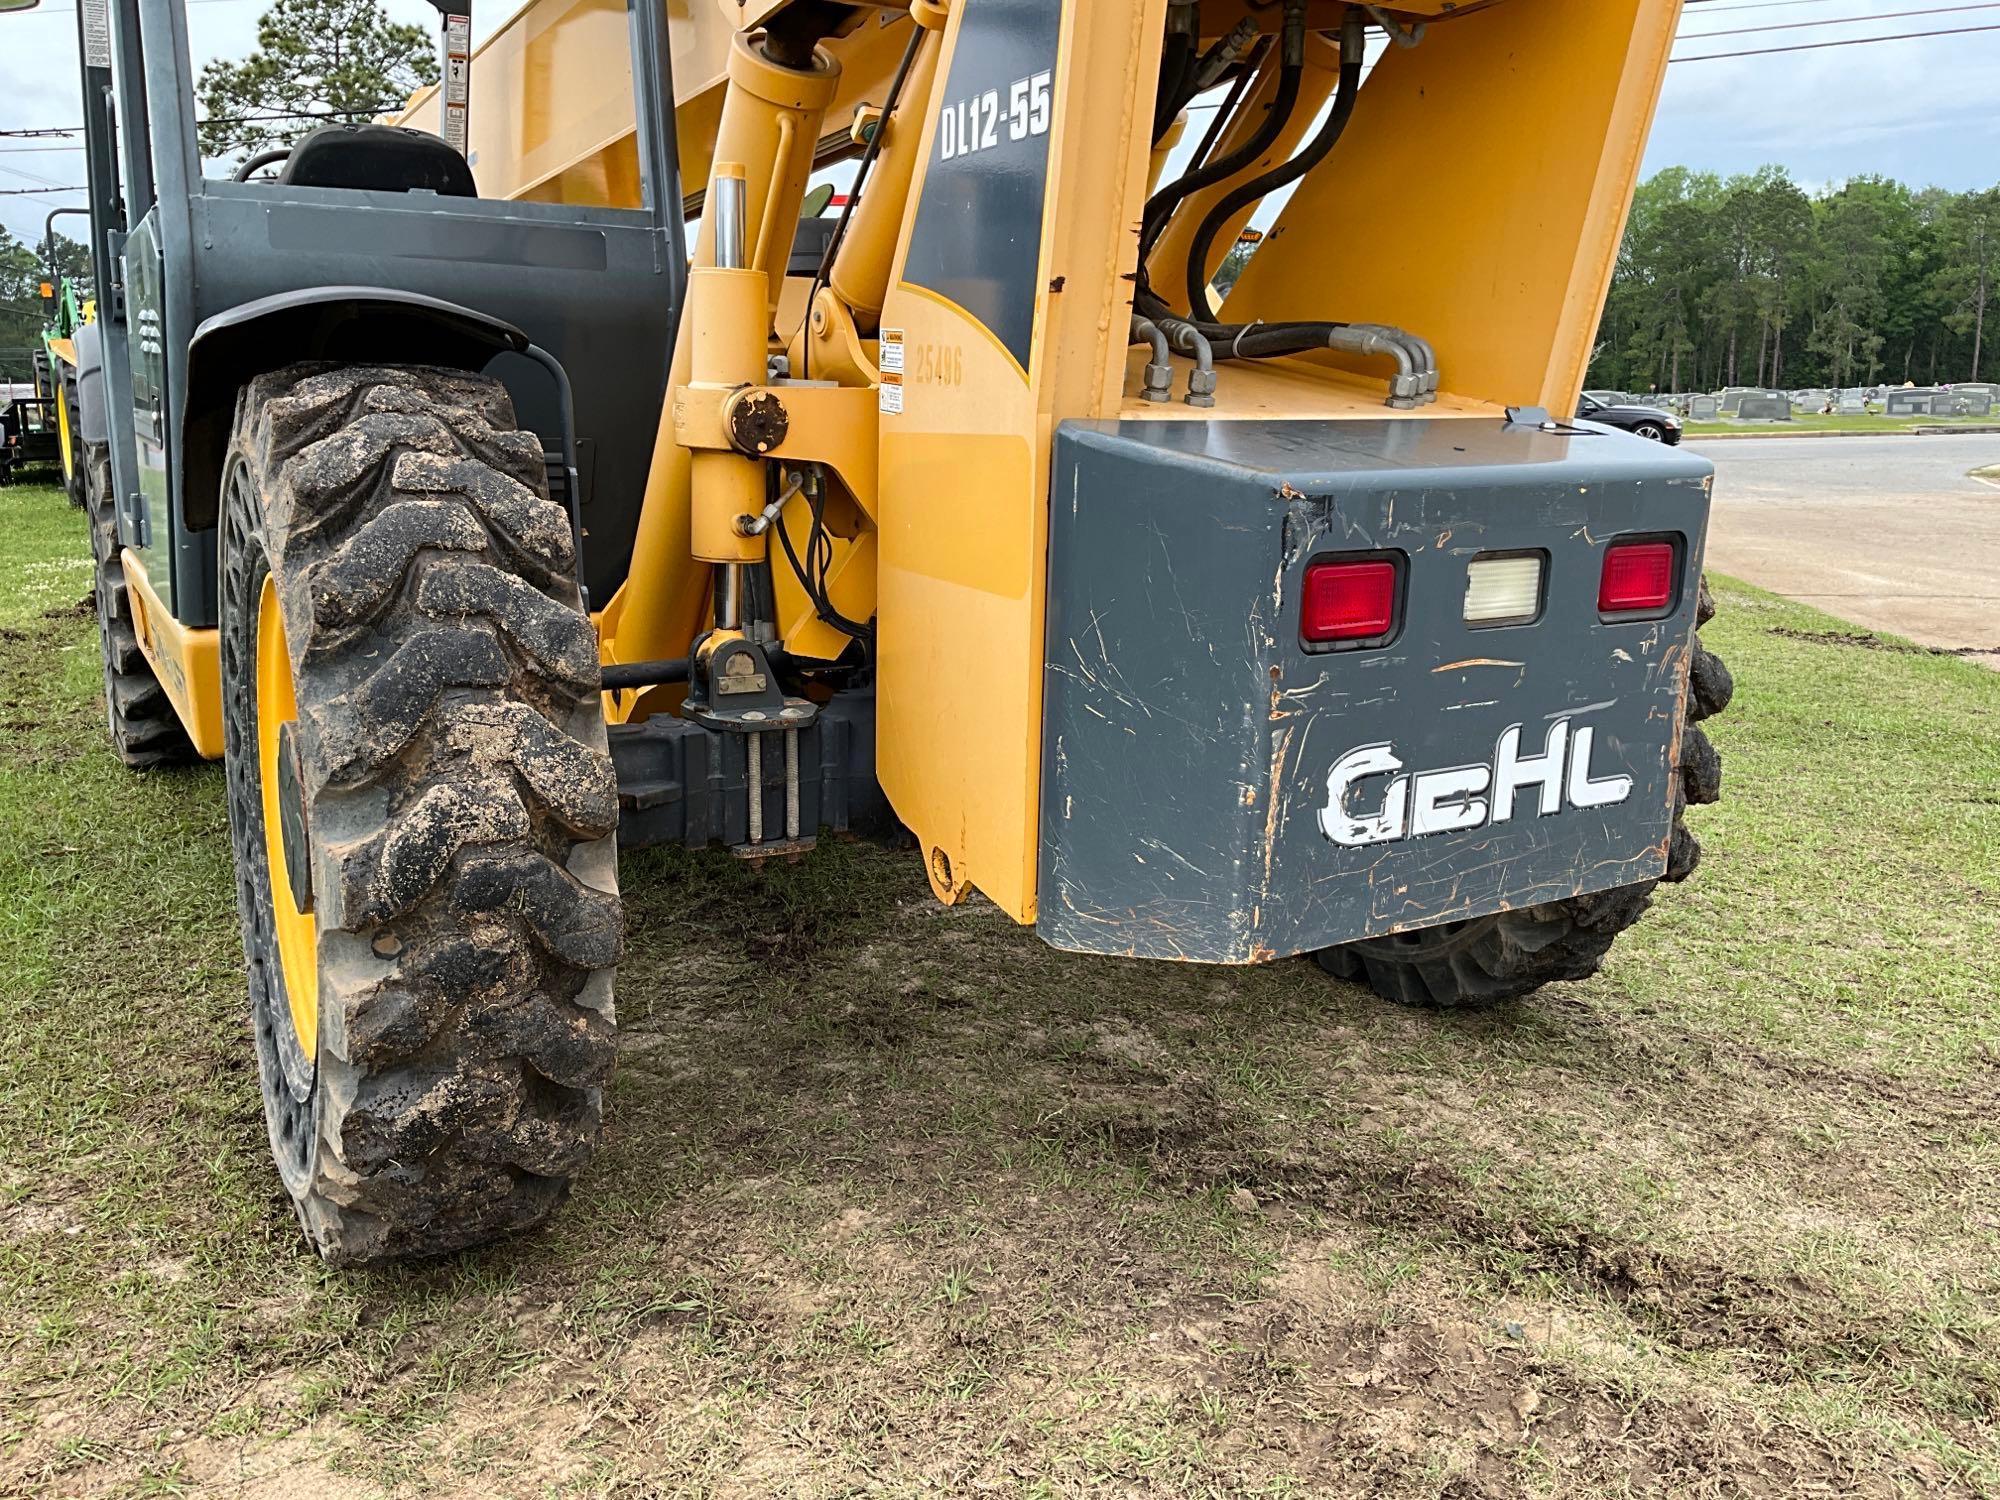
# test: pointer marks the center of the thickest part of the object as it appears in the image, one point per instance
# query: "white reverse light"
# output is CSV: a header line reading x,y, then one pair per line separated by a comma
x,y
1503,590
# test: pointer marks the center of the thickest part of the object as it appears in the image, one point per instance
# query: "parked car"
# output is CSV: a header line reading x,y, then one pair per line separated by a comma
x,y
1652,422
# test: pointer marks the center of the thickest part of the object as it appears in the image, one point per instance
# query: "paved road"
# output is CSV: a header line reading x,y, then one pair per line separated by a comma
x,y
1889,532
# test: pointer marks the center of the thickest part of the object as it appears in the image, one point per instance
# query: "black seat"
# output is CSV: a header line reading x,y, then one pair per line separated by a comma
x,y
382,158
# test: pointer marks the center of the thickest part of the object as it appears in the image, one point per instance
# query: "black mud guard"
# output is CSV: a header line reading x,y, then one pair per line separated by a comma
x,y
318,322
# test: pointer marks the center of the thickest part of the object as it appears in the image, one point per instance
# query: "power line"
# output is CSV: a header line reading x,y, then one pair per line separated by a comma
x,y
1852,41
1939,10
396,107
27,176
40,192
70,10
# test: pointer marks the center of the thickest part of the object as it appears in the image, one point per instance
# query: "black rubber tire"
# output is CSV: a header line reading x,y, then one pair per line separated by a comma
x,y
146,732
1489,960
458,802
1652,432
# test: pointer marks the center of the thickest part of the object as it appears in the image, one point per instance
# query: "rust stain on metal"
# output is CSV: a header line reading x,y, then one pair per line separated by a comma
x,y
1476,661
1287,492
1282,742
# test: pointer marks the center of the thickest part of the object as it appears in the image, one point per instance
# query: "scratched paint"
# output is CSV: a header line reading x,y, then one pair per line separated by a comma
x,y
1190,736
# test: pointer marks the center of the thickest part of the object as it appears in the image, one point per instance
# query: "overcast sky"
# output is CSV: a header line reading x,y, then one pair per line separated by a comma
x,y
1923,111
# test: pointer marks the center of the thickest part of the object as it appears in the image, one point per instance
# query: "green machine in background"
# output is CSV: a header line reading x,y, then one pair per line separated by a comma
x,y
42,430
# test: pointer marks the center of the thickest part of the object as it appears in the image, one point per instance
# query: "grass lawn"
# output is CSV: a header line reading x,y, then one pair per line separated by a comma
x,y
896,1199
1813,422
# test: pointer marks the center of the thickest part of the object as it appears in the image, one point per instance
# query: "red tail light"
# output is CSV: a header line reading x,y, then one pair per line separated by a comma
x,y
1349,602
1638,577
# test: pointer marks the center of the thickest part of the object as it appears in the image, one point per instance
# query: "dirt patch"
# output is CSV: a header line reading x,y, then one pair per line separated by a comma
x,y
1868,641
83,608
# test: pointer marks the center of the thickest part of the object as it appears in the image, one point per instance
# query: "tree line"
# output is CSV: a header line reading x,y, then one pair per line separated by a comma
x,y
1751,280
1745,280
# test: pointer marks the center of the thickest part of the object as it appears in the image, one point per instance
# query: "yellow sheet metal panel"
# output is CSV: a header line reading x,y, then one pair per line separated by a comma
x,y
551,102
551,116
1479,192
965,459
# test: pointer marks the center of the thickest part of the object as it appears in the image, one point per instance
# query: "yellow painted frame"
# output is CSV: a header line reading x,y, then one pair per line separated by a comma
x,y
965,477
188,661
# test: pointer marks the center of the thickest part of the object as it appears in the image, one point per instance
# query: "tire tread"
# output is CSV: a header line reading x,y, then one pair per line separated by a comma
x,y
1494,959
453,760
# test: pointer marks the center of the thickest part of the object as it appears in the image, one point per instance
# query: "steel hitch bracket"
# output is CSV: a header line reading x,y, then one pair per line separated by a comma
x,y
733,689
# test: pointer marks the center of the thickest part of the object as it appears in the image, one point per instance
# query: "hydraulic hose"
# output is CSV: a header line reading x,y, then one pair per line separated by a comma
x,y
1222,116
1159,377
1223,56
1289,172
1414,383
1291,69
1202,70
1177,62
868,155
1188,339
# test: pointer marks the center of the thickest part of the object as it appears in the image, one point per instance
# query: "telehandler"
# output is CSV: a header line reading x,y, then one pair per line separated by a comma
x,y
480,528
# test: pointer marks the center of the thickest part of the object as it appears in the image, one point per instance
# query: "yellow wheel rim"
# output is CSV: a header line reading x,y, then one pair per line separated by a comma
x,y
297,931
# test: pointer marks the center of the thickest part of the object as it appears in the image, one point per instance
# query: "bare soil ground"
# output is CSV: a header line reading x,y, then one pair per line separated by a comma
x,y
894,1199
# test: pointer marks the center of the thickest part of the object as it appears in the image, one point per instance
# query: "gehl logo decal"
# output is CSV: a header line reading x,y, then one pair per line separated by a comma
x,y
1460,797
